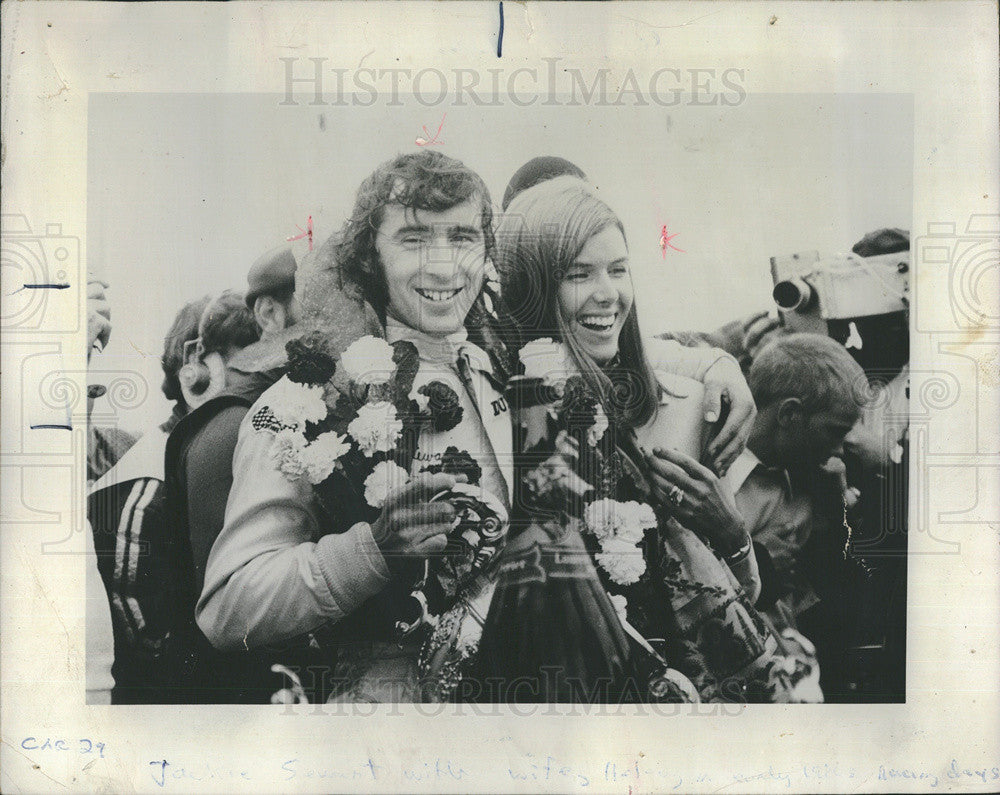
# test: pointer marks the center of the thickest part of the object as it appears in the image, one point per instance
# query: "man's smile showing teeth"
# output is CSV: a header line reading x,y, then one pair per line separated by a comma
x,y
438,295
598,322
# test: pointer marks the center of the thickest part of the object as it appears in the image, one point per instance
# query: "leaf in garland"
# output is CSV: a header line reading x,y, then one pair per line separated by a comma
x,y
407,360
332,422
406,445
346,406
579,405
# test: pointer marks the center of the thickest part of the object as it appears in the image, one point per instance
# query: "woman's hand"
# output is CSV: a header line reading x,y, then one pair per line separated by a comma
x,y
697,498
725,378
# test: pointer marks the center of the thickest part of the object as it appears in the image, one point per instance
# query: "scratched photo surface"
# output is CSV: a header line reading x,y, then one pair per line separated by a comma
x,y
497,544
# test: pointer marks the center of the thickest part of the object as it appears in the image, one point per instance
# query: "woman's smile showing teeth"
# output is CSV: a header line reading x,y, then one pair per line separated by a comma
x,y
438,295
598,322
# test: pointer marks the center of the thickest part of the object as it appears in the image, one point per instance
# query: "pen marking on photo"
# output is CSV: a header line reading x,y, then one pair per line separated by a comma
x,y
42,286
500,34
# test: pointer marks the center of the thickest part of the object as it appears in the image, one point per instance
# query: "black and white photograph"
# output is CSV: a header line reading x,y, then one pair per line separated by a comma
x,y
500,397
466,405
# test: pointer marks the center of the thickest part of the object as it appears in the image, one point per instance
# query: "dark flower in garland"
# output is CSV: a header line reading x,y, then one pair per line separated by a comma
x,y
579,405
308,360
457,462
442,404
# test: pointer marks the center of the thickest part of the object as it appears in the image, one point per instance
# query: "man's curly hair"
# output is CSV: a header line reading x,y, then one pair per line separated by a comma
x,y
425,180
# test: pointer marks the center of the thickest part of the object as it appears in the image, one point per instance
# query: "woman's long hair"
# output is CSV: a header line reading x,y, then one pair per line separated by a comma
x,y
538,240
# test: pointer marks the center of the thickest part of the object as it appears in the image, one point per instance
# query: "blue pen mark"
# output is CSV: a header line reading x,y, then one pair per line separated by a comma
x,y
500,37
58,427
42,286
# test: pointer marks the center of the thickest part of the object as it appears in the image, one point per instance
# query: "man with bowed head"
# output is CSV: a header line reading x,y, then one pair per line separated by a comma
x,y
788,481
416,252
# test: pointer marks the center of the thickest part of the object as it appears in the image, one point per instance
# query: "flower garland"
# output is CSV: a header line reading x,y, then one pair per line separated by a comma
x,y
581,478
317,427
365,429
618,527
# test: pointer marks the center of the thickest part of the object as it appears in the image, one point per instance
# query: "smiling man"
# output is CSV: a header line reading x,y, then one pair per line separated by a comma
x,y
417,246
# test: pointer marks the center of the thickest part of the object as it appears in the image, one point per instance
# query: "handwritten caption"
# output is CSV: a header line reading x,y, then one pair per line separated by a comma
x,y
633,775
630,775
82,745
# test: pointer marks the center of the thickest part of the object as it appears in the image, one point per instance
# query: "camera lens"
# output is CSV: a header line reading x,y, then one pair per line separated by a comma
x,y
791,294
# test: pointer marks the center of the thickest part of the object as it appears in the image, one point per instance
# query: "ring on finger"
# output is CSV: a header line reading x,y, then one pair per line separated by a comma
x,y
676,495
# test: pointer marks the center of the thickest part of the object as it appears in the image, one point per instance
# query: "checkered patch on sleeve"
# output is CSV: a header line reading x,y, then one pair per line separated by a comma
x,y
264,420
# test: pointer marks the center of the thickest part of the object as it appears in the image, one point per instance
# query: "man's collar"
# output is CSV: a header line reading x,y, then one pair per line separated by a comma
x,y
744,466
439,349
268,353
745,463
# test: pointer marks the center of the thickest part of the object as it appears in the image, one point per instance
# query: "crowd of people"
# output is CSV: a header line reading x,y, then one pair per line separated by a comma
x,y
437,460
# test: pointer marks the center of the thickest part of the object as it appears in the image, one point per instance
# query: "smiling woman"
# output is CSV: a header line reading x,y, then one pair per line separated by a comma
x,y
634,550
564,271
595,295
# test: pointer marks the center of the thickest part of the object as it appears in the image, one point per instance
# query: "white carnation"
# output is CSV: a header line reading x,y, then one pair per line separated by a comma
x,y
626,521
600,518
376,428
293,405
624,562
322,454
286,453
548,360
386,477
636,517
368,360
596,431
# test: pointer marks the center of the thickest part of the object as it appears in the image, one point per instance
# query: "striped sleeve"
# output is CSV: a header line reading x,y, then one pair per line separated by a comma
x,y
131,544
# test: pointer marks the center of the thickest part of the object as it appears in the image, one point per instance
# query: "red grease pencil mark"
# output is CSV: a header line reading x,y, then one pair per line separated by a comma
x,y
430,140
665,242
307,232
